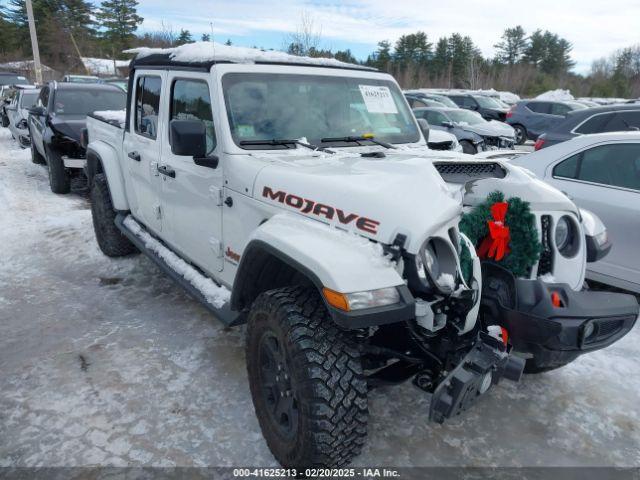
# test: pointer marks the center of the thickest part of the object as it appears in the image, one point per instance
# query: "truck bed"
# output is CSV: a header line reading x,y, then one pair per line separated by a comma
x,y
105,128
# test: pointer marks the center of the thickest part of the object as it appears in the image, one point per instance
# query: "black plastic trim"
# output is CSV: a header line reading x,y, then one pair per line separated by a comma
x,y
595,251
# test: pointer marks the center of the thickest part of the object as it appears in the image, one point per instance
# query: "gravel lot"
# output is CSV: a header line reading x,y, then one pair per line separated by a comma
x,y
107,362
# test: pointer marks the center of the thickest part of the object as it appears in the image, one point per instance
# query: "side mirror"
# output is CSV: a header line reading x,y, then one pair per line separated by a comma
x,y
447,124
37,111
424,127
473,107
189,138
596,237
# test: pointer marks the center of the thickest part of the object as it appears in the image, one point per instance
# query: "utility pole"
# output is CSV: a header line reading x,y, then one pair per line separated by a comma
x,y
34,43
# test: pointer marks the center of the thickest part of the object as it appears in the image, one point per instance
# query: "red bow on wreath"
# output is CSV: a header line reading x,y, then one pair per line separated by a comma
x,y
496,244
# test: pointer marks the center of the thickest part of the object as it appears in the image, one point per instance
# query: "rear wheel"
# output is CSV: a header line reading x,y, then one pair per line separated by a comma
x,y
59,178
468,147
110,239
306,380
521,134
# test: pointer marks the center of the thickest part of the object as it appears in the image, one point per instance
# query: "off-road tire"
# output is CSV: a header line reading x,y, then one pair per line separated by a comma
x,y
468,147
532,367
521,134
110,240
35,155
326,380
59,178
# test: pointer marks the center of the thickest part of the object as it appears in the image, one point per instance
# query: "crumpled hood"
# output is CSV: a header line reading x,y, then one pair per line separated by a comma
x,y
492,128
69,126
378,198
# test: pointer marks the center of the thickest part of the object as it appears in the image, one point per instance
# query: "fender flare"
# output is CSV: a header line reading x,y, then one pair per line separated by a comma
x,y
328,258
102,157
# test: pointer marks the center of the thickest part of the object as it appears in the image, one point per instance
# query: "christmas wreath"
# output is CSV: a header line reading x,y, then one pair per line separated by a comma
x,y
503,232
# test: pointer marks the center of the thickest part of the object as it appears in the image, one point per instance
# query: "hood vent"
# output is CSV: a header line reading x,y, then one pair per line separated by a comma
x,y
456,172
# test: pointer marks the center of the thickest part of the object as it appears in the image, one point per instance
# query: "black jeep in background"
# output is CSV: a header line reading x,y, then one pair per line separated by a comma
x,y
56,122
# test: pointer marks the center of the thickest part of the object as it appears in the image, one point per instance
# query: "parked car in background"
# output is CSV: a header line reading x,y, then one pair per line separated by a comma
x,y
446,101
7,93
600,173
531,118
12,78
610,118
56,122
489,108
418,102
81,79
18,115
122,83
474,133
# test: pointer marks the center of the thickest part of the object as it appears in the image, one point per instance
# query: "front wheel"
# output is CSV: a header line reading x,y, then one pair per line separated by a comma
x,y
59,178
306,380
521,134
468,147
110,240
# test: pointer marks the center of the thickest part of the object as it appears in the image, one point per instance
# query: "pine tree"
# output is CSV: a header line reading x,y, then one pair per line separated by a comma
x,y
512,47
381,58
184,37
119,20
205,37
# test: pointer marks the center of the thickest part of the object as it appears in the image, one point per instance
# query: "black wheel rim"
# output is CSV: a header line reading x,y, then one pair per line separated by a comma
x,y
275,383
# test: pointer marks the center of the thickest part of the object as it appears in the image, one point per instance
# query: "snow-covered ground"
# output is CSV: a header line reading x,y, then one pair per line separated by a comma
x,y
106,361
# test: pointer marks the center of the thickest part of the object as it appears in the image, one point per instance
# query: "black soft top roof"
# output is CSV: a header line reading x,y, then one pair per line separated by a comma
x,y
155,60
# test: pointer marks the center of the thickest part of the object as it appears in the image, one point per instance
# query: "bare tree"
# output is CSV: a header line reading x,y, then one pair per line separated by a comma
x,y
306,39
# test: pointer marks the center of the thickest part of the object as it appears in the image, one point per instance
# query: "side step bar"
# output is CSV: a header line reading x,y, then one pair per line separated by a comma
x,y
228,317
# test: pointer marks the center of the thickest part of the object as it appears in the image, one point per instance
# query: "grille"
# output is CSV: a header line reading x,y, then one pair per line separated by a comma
x,y
604,329
463,172
545,265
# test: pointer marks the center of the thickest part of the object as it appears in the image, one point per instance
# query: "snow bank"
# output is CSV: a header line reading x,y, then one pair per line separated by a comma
x,y
558,95
103,66
207,52
119,116
213,293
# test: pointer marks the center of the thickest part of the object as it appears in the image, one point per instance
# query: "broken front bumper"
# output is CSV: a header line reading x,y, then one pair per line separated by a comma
x,y
485,365
551,321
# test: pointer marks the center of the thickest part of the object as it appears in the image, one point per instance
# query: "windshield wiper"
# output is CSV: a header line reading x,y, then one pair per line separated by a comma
x,y
285,142
362,138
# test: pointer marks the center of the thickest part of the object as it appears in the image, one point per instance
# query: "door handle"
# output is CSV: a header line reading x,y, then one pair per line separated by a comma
x,y
169,172
134,156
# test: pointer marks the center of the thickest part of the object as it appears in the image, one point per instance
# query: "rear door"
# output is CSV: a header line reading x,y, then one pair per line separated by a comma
x,y
606,180
142,146
541,119
192,194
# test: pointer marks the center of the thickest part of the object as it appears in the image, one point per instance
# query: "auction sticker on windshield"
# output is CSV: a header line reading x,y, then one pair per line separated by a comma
x,y
378,99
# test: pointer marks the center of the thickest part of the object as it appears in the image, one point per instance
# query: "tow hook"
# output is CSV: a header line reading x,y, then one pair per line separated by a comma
x,y
485,365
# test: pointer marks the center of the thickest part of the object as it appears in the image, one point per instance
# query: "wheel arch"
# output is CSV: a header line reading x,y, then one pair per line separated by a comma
x,y
102,158
275,258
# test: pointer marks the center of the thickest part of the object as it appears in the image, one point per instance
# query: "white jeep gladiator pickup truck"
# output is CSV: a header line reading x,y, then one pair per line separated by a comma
x,y
298,196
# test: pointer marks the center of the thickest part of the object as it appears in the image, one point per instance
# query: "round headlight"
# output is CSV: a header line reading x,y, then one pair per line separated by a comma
x,y
562,233
566,236
439,258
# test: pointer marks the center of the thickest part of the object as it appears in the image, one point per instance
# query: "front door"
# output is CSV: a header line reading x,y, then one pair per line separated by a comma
x,y
192,194
143,147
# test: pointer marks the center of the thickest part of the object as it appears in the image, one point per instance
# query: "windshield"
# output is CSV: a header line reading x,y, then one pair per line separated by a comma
x,y
285,106
13,80
487,102
82,102
465,117
29,99
446,100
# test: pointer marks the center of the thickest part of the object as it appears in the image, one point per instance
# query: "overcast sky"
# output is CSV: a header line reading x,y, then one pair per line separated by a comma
x,y
595,27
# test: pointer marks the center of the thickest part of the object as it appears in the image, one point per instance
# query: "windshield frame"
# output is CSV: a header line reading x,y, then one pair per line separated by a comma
x,y
222,70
